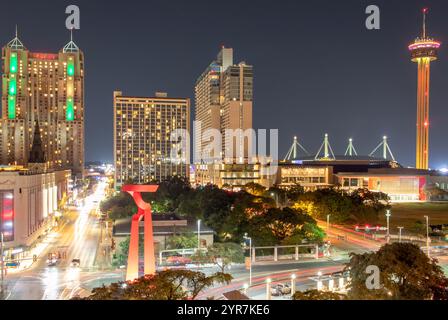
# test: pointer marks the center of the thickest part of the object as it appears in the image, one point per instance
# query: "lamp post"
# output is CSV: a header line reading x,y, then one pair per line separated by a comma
x,y
427,234
328,222
199,234
293,284
250,258
245,287
268,289
319,281
2,262
275,198
388,230
399,236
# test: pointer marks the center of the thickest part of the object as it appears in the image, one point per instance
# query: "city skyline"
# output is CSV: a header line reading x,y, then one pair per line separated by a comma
x,y
368,91
170,122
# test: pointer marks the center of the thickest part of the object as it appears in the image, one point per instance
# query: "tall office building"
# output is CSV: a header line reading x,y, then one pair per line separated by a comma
x,y
143,134
224,95
47,88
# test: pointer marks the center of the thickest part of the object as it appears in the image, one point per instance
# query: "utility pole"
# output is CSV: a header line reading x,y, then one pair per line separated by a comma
x,y
2,262
199,234
250,258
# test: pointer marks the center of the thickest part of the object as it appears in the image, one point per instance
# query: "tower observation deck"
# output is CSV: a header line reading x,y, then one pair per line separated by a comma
x,y
424,50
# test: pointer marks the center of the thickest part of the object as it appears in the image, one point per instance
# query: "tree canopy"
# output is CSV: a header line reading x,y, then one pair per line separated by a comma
x,y
165,285
358,206
406,273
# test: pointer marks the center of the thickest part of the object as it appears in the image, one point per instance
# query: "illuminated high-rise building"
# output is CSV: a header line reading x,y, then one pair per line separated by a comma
x,y
150,137
47,88
223,101
423,52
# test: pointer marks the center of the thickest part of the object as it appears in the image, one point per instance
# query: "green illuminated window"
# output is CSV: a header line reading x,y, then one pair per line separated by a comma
x,y
70,67
13,63
11,107
70,112
12,87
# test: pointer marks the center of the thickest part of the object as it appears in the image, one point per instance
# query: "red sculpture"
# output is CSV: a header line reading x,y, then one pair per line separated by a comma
x,y
144,212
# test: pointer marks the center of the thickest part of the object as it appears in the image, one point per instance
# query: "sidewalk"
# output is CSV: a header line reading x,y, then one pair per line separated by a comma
x,y
38,250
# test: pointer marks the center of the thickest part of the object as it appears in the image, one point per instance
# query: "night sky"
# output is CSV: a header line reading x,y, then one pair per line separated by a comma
x,y
317,68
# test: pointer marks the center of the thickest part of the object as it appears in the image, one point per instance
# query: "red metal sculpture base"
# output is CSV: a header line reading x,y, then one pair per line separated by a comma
x,y
144,212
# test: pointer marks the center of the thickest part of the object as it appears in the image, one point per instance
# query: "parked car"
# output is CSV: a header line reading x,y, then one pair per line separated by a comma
x,y
285,289
280,289
12,264
275,291
76,262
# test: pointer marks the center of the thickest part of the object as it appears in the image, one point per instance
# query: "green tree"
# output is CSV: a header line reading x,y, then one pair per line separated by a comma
x,y
184,241
165,285
214,207
119,205
120,257
278,226
406,273
359,206
254,189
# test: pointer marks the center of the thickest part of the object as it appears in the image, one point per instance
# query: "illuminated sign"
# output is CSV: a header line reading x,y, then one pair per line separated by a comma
x,y
70,67
7,215
13,63
70,112
11,107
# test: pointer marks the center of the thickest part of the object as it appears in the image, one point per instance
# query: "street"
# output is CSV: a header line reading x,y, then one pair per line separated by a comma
x,y
78,237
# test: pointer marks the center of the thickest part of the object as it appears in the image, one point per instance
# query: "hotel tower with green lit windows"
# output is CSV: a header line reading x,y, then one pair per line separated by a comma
x,y
48,89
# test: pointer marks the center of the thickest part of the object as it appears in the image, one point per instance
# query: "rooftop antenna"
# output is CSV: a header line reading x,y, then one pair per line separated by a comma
x,y
425,10
17,33
386,149
351,148
70,47
293,151
328,151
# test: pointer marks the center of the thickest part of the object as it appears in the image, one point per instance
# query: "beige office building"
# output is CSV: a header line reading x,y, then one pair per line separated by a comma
x,y
223,101
29,203
47,88
144,148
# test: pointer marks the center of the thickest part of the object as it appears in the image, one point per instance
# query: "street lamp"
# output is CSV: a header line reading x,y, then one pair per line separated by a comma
x,y
293,284
387,217
245,287
275,198
199,233
2,262
268,289
328,222
399,237
250,257
427,234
